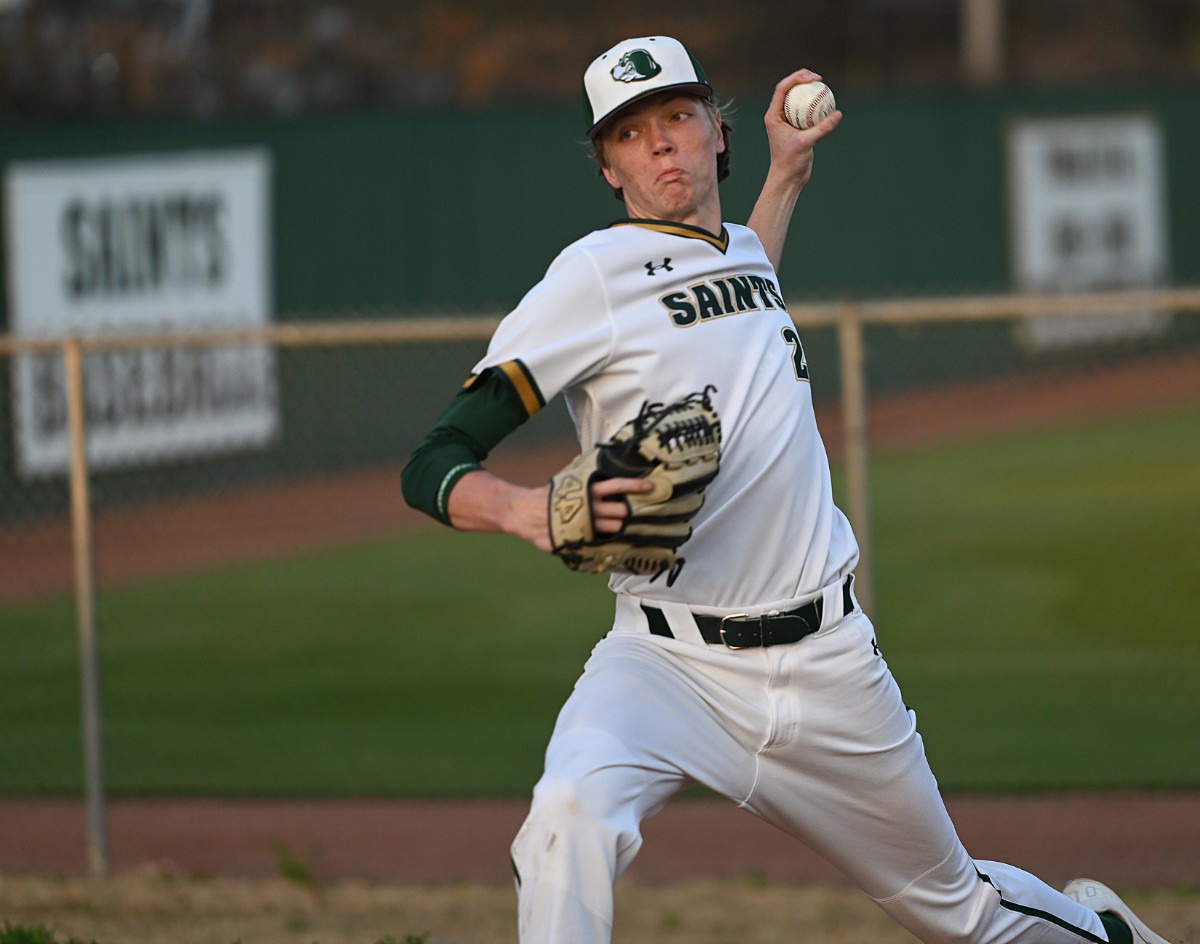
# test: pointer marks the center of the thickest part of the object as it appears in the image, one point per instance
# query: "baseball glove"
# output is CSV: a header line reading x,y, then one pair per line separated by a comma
x,y
677,448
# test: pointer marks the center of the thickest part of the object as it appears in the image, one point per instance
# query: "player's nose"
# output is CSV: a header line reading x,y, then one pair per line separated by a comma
x,y
661,139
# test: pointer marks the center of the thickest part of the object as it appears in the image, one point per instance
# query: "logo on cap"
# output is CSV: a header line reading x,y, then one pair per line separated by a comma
x,y
637,65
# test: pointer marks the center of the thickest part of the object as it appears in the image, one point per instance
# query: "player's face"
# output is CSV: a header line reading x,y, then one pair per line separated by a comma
x,y
662,153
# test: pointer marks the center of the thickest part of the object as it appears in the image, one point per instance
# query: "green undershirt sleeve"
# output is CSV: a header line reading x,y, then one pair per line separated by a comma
x,y
489,407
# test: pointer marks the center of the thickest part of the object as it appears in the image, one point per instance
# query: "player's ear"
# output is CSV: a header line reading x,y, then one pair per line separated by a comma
x,y
720,131
610,177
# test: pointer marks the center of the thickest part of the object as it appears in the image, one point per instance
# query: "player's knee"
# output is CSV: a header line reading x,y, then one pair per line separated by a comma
x,y
573,820
568,805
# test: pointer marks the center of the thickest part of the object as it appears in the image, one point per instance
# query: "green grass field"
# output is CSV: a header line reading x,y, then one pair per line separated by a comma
x,y
1033,598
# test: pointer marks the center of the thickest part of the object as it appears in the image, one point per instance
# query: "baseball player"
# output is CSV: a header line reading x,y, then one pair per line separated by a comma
x,y
752,669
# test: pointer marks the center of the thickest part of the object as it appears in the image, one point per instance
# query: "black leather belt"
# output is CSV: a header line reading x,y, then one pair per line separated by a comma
x,y
738,631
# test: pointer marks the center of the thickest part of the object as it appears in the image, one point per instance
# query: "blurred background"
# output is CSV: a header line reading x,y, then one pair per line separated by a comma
x,y
186,164
173,166
65,59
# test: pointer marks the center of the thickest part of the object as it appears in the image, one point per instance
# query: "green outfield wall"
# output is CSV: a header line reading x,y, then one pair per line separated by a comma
x,y
392,213
453,210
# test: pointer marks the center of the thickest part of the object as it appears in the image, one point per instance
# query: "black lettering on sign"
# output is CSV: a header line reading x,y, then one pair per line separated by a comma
x,y
144,245
49,395
131,389
1097,163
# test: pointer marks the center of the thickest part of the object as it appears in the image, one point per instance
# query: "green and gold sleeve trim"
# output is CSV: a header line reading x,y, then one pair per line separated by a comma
x,y
488,408
522,383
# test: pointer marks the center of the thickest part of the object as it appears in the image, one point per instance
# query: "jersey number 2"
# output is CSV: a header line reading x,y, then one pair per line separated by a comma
x,y
799,361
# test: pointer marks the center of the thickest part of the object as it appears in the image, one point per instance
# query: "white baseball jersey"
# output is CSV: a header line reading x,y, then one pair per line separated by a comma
x,y
813,736
654,311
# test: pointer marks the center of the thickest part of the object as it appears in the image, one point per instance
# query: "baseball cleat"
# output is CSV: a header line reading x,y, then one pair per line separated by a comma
x,y
1100,898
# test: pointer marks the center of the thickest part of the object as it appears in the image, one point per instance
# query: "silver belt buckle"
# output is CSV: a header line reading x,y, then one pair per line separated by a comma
x,y
725,643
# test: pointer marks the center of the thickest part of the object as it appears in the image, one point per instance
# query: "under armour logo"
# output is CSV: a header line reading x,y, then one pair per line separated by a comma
x,y
652,269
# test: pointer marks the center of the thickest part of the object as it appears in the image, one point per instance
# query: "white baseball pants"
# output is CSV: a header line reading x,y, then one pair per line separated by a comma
x,y
813,737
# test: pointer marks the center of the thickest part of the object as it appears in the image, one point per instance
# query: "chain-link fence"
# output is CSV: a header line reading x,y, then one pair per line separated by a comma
x,y
178,422
211,449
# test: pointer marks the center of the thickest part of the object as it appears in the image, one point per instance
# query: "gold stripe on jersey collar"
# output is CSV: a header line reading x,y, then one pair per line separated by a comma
x,y
681,229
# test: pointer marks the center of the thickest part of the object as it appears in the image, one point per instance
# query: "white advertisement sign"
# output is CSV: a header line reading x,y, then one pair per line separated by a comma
x,y
1088,214
141,244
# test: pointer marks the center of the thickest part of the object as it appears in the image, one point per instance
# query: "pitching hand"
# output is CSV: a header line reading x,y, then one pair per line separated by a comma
x,y
792,148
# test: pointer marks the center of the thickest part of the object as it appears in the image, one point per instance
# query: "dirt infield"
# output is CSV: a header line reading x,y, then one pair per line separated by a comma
x,y
1132,841
1128,840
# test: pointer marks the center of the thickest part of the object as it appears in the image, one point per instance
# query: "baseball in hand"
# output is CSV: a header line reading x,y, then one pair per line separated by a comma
x,y
807,103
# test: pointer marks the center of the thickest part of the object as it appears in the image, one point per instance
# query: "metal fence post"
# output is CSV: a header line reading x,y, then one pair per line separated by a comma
x,y
854,421
85,603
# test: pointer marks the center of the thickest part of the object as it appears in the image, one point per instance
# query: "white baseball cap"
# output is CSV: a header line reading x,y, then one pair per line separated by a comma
x,y
635,68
